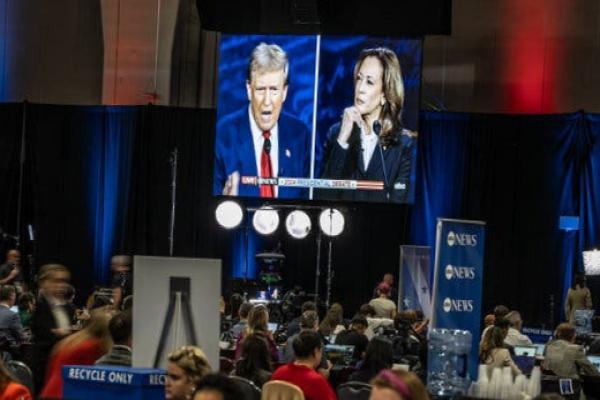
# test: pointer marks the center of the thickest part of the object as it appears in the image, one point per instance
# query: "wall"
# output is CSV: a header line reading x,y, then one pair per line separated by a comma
x,y
510,56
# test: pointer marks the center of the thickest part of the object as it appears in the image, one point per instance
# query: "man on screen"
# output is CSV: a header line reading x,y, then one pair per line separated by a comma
x,y
260,140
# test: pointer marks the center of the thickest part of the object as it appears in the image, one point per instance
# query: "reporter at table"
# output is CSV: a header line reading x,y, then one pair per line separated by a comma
x,y
370,143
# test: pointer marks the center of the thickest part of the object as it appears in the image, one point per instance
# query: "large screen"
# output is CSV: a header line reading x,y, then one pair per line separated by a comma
x,y
317,117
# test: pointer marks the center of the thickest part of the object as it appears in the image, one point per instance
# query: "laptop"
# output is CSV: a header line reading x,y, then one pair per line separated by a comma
x,y
527,351
595,360
338,354
540,347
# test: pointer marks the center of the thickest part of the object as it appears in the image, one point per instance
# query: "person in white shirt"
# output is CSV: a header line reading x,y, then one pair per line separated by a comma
x,y
514,336
383,306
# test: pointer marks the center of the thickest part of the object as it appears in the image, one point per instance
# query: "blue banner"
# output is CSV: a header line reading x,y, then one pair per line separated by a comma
x,y
415,290
113,382
458,278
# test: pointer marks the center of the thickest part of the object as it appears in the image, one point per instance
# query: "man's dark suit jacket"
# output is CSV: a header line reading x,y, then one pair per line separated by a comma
x,y
42,324
11,327
348,163
234,151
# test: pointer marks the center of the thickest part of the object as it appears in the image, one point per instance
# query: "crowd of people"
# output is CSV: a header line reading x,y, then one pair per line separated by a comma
x,y
562,356
41,326
46,331
380,336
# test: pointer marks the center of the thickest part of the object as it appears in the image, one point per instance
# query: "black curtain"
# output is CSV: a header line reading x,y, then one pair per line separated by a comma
x,y
162,130
519,174
98,181
11,122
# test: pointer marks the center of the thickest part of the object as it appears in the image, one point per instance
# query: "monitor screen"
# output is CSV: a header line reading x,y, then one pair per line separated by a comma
x,y
595,360
529,351
273,326
317,117
339,354
540,348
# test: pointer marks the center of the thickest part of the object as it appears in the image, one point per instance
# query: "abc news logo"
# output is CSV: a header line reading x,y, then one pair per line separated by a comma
x,y
453,272
457,305
461,239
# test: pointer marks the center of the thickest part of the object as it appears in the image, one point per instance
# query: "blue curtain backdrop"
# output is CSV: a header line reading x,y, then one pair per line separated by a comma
x,y
110,171
519,174
98,181
76,185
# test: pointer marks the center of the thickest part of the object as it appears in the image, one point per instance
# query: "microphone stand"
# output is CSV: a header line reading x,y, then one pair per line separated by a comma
x,y
377,131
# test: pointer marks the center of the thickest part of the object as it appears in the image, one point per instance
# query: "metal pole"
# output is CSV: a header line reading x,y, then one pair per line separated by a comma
x,y
174,158
329,276
246,245
21,168
318,270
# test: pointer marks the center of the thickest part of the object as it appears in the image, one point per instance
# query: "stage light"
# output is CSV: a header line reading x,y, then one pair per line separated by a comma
x,y
591,262
229,214
331,222
265,220
297,224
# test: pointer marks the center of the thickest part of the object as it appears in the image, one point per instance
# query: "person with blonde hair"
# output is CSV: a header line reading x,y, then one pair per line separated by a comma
x,y
258,323
370,142
398,385
81,348
185,368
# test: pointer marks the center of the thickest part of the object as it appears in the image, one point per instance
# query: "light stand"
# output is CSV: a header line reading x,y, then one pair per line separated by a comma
x,y
173,161
330,271
246,245
329,275
318,269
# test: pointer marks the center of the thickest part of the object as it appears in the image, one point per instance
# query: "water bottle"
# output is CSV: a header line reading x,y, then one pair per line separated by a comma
x,y
447,361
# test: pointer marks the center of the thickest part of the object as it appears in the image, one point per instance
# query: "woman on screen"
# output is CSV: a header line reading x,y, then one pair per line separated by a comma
x,y
370,143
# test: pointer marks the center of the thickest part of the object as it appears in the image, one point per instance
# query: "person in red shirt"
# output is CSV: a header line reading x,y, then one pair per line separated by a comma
x,y
81,348
308,350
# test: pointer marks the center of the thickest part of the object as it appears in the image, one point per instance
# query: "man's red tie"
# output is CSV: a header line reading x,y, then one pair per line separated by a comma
x,y
266,170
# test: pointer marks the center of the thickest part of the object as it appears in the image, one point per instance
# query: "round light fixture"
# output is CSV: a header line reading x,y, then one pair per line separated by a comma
x,y
298,224
229,214
265,220
331,222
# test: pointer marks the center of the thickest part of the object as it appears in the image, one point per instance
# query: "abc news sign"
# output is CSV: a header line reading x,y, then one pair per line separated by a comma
x,y
461,239
460,273
457,305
